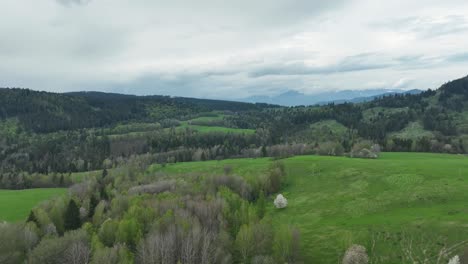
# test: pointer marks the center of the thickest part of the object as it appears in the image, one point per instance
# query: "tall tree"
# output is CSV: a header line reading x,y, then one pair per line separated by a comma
x,y
72,216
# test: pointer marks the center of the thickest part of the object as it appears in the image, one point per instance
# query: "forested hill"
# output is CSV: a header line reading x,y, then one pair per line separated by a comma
x,y
48,112
43,132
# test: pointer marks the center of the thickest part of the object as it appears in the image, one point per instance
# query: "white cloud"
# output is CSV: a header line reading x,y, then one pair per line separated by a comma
x,y
209,48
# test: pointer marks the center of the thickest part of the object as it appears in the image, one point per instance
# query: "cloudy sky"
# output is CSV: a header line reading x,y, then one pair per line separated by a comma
x,y
231,49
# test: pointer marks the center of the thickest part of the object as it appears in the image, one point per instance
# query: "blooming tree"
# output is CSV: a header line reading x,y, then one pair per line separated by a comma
x,y
454,260
280,201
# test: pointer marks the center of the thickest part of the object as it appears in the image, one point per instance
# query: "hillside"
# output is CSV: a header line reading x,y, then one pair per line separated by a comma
x,y
44,132
398,199
49,112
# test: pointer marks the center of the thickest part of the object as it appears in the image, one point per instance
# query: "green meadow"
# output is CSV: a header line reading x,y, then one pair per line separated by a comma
x,y
384,204
15,205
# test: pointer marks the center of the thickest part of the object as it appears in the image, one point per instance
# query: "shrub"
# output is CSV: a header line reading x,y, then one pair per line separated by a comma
x,y
235,183
330,149
356,254
280,201
365,149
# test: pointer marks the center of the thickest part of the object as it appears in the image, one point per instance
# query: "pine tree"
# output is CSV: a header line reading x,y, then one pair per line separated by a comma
x,y
93,202
72,216
104,173
62,181
264,151
32,218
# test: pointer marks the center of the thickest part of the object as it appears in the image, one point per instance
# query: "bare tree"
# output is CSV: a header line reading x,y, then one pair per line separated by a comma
x,y
208,247
78,253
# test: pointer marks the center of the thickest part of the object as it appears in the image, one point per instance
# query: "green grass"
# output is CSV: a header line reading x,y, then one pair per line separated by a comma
x,y
336,201
15,205
219,117
207,129
142,130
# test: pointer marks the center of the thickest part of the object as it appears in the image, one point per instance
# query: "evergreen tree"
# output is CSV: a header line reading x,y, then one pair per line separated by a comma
x,y
264,151
72,216
62,180
104,173
32,218
93,202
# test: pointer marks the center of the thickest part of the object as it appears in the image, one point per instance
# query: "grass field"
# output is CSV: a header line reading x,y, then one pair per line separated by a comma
x,y
207,129
212,128
336,201
141,130
15,205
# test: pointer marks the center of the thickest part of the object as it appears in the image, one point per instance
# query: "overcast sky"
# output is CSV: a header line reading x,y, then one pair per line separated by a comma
x,y
231,49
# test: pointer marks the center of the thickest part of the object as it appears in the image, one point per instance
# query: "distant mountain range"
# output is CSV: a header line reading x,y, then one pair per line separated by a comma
x,y
294,98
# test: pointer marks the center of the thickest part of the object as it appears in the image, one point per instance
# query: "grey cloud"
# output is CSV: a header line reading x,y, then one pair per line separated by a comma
x,y
428,27
361,62
459,57
211,48
73,2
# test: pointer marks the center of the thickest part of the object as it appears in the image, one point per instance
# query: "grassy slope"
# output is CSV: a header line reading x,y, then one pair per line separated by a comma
x,y
15,205
206,129
143,130
336,201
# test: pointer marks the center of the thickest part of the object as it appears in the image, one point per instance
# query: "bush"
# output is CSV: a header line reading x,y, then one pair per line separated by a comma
x,y
330,149
366,150
235,183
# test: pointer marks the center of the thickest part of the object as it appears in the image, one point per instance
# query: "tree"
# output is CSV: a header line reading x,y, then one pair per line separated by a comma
x,y
356,254
264,151
261,205
107,233
117,254
93,202
129,232
32,218
280,202
78,253
72,216
73,247
245,242
12,244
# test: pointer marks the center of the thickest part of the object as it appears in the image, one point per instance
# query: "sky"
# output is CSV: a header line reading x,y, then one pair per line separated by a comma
x,y
231,49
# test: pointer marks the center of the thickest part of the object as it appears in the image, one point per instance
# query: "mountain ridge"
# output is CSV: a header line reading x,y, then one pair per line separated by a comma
x,y
295,98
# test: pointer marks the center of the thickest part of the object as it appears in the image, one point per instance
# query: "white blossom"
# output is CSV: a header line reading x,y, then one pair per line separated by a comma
x,y
454,260
280,201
